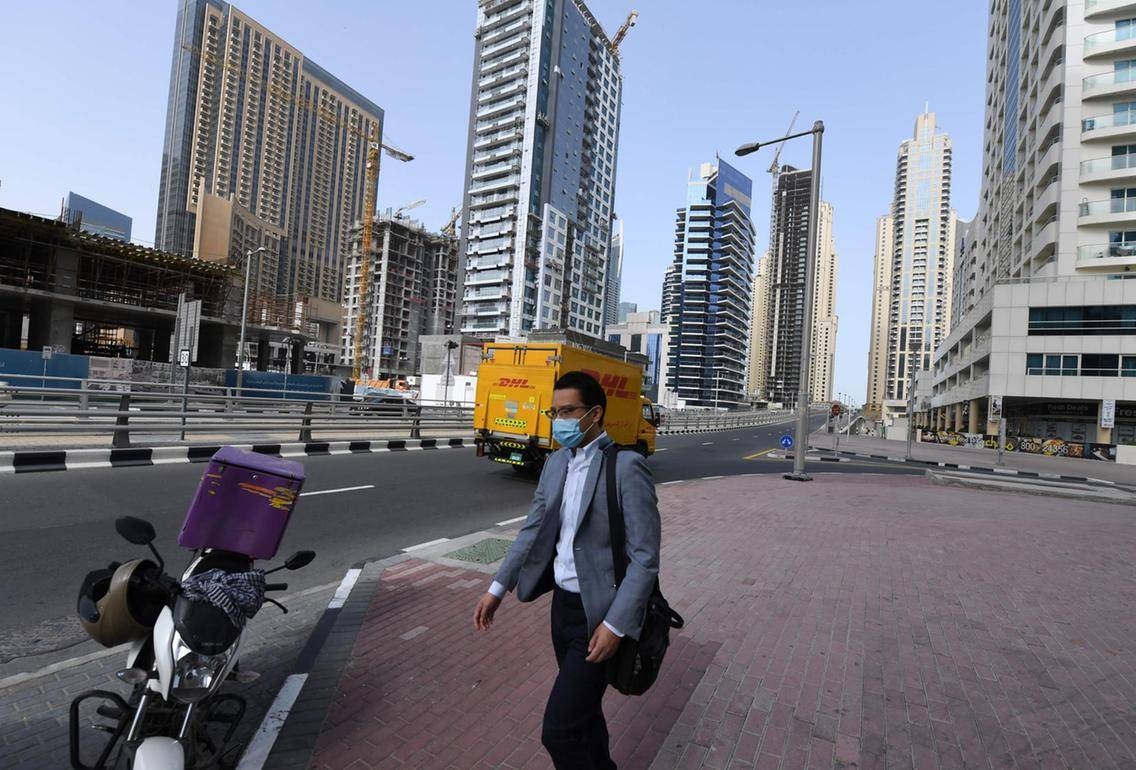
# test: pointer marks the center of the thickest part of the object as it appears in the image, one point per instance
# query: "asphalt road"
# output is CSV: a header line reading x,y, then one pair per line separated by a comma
x,y
57,526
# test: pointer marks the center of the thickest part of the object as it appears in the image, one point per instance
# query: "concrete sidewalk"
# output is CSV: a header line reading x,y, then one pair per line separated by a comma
x,y
979,458
829,624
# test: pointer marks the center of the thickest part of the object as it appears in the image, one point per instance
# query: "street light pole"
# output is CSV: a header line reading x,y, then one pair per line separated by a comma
x,y
244,317
802,437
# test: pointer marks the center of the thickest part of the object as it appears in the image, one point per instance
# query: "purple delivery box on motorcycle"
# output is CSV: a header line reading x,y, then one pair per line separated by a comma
x,y
243,503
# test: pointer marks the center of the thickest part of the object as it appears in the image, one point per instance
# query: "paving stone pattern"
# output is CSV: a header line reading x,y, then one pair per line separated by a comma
x,y
34,714
852,622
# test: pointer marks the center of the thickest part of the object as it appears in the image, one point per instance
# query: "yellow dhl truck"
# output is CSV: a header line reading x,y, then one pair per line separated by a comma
x,y
514,388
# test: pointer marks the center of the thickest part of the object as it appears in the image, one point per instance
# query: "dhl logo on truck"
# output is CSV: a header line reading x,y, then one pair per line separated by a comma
x,y
614,385
514,382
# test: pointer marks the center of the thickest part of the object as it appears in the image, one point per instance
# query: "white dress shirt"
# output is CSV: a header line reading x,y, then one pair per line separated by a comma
x,y
571,512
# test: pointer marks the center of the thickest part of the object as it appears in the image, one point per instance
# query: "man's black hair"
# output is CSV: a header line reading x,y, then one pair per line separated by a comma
x,y
591,393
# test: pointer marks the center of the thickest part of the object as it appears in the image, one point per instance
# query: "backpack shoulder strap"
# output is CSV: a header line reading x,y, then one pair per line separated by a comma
x,y
615,513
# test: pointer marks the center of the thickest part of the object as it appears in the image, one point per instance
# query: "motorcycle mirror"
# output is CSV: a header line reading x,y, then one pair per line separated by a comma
x,y
135,530
299,559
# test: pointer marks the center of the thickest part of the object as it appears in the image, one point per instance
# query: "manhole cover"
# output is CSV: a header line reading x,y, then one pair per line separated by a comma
x,y
487,551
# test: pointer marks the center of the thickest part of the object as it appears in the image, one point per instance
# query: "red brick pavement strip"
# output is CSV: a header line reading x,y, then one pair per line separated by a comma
x,y
856,621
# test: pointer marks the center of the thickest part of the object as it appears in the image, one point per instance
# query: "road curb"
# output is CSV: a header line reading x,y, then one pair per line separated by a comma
x,y
849,456
34,461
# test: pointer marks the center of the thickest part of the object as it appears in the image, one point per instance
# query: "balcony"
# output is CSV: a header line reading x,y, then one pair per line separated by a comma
x,y
1108,85
1120,254
1115,211
1114,169
1120,125
1044,242
1111,42
1100,8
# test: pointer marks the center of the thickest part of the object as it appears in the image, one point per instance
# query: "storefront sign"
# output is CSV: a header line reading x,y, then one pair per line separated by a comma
x,y
995,410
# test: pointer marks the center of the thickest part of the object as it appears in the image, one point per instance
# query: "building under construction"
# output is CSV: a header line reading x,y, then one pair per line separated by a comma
x,y
82,293
412,292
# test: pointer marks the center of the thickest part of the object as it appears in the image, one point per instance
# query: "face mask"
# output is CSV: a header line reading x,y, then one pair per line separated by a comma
x,y
567,431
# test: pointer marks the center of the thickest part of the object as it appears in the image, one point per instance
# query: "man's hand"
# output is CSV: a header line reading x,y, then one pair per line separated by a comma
x,y
483,614
603,645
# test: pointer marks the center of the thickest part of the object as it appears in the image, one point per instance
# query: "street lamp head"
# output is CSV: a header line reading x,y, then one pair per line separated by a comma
x,y
746,149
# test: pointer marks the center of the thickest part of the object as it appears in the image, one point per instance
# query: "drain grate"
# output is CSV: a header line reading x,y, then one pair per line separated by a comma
x,y
486,551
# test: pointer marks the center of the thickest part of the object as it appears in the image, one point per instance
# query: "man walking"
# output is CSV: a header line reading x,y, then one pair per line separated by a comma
x,y
565,546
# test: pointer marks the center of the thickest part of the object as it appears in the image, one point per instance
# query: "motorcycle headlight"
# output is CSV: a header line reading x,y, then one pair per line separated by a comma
x,y
196,675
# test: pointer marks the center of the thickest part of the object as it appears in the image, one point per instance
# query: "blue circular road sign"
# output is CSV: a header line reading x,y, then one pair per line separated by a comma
x,y
786,442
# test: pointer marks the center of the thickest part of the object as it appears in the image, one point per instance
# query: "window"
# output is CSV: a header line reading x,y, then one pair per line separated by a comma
x,y
1082,320
1128,366
636,343
1100,365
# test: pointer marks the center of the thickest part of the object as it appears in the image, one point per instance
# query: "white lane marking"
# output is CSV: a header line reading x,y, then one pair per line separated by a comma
x,y
261,745
420,546
669,483
707,443
333,491
662,449
711,478
344,589
511,521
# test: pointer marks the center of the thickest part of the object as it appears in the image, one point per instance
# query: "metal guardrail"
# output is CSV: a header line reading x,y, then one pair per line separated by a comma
x,y
72,406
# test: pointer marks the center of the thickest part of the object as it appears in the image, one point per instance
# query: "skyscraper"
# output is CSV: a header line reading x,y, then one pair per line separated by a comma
x,y
93,217
254,124
919,267
881,307
757,377
707,292
540,172
614,276
786,312
822,364
1046,332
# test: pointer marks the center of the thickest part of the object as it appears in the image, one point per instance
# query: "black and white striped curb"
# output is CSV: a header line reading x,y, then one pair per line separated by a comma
x,y
847,457
74,459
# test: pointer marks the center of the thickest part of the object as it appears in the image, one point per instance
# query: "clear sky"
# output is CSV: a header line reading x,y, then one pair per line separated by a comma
x,y
84,86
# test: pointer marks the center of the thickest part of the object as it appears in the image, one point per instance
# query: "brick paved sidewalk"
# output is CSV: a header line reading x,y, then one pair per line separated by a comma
x,y
856,621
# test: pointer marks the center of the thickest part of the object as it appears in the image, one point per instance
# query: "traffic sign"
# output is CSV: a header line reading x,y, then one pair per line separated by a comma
x,y
48,352
786,442
183,357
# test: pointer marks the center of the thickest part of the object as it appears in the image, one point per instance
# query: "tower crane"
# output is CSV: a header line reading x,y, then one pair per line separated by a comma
x,y
399,211
773,167
622,32
451,228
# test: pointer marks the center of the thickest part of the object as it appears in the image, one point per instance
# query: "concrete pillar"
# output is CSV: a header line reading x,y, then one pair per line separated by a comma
x,y
51,323
972,422
297,364
1104,435
263,351
11,327
217,345
957,421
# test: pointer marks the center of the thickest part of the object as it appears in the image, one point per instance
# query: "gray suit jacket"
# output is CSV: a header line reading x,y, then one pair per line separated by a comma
x,y
528,564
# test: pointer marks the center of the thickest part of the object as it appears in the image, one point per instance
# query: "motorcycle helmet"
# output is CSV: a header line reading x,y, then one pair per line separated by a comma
x,y
120,603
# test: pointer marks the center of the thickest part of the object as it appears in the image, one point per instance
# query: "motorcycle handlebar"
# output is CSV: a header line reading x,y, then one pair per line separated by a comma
x,y
276,587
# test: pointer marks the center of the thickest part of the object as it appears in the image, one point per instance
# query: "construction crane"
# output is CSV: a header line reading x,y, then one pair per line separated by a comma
x,y
399,211
622,32
451,228
773,167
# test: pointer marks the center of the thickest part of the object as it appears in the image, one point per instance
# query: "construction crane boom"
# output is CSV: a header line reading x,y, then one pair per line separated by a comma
x,y
773,167
622,31
451,228
397,214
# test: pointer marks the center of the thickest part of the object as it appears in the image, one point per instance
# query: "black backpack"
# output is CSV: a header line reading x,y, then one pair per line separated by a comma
x,y
636,663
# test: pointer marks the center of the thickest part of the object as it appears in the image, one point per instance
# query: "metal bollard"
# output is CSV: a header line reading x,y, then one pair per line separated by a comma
x,y
121,438
416,426
306,425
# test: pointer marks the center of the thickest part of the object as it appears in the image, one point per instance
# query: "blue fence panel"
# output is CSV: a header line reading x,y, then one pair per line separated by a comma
x,y
309,387
25,368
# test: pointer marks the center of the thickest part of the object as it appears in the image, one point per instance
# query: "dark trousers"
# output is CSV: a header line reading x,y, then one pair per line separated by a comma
x,y
575,731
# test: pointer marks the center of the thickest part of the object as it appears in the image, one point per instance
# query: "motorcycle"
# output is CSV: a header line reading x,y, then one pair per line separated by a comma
x,y
175,717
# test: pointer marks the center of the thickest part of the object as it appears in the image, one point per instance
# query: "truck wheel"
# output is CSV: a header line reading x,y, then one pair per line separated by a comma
x,y
641,448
